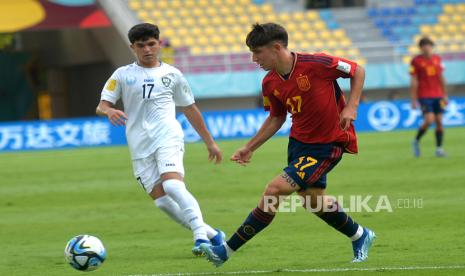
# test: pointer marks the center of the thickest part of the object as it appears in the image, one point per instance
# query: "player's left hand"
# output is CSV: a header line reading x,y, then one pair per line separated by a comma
x,y
214,153
348,115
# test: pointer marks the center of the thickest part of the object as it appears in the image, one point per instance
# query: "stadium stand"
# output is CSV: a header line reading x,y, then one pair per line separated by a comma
x,y
209,29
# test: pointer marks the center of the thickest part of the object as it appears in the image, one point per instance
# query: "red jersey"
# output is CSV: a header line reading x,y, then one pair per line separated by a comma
x,y
313,97
428,71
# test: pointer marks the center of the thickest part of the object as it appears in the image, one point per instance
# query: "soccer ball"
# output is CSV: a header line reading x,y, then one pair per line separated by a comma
x,y
85,252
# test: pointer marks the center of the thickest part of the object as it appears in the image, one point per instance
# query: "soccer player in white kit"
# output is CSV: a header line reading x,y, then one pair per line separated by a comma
x,y
150,91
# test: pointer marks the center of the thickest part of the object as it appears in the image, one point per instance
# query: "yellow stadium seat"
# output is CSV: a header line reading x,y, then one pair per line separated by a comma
x,y
197,12
304,45
441,48
426,29
224,10
202,41
319,45
196,50
244,2
176,42
189,21
257,18
311,35
217,21
236,30
284,17
222,49
345,42
236,48
452,28
292,45
143,15
211,11
297,36
458,37
438,29
339,33
230,39
135,5
209,30
170,14
238,9
298,16
162,23
304,26
448,8
216,39
406,59
176,22
182,32
312,15
202,3
324,34
209,50
266,8
184,13
461,8
189,4
319,25
252,9
162,4
188,41
217,3
291,27
168,32
332,44
444,37
454,47
340,53
156,14
176,4
230,20
462,27
196,31
244,19
458,18
444,18
413,49
271,17
361,61
203,21
353,52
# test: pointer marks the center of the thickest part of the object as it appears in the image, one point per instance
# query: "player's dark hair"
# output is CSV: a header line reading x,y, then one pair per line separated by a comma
x,y
143,32
425,41
263,34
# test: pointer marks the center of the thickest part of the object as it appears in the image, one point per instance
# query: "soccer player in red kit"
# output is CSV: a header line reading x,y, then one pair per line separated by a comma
x,y
428,88
304,85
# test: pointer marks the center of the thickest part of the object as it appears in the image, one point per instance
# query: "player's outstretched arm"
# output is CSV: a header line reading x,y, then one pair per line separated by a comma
x,y
116,117
271,125
349,113
444,90
194,117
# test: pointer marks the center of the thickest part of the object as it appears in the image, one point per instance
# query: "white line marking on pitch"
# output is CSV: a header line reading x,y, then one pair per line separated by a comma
x,y
311,270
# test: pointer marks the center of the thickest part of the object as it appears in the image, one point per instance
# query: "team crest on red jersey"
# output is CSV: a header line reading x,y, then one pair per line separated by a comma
x,y
303,83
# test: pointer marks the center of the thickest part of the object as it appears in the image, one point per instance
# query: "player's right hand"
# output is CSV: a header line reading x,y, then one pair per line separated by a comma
x,y
242,156
117,117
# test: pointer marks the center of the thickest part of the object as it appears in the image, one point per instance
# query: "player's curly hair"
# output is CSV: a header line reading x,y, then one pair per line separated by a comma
x,y
262,34
425,41
143,32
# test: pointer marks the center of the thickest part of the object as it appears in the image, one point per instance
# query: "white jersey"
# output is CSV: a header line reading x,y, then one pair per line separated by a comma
x,y
150,96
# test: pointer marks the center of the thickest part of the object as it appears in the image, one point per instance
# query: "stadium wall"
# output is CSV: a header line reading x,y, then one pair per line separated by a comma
x,y
55,134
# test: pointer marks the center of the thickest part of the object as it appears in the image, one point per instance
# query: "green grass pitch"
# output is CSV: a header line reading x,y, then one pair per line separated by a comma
x,y
47,197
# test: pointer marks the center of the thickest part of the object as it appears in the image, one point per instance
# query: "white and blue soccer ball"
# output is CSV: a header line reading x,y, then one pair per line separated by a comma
x,y
85,252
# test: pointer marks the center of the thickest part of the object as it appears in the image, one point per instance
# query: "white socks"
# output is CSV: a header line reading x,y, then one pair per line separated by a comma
x,y
188,205
172,209
357,234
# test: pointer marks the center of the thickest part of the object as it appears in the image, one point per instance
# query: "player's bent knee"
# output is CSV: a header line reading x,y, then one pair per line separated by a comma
x,y
171,186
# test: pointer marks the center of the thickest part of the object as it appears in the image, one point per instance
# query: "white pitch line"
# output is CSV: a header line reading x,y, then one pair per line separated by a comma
x,y
310,270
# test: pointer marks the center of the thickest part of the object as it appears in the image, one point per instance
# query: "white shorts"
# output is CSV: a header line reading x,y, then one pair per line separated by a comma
x,y
148,170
